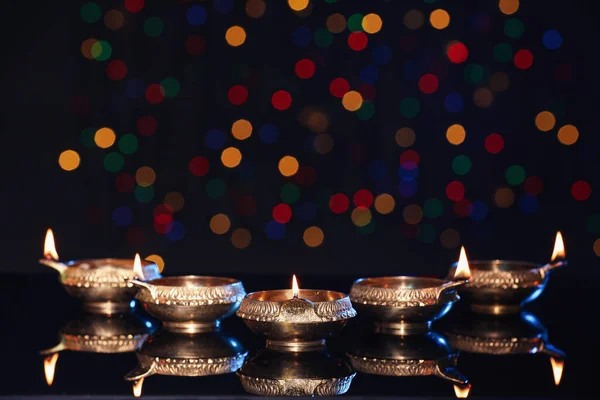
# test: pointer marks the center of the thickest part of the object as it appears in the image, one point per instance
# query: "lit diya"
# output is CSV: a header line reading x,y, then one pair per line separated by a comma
x,y
166,353
311,373
429,354
100,334
296,319
406,305
504,336
503,287
100,283
189,304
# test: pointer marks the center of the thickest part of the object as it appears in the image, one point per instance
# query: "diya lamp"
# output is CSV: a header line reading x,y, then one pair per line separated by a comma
x,y
94,333
283,373
406,305
508,335
429,354
296,319
188,304
101,284
503,287
167,353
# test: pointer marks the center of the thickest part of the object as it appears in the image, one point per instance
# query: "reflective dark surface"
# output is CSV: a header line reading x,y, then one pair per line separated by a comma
x,y
559,321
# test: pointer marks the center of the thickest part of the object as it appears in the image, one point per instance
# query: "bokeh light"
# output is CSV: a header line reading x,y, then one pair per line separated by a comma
x,y
372,23
336,23
241,238
504,197
508,7
174,200
581,190
220,224
385,203
158,260
313,236
104,138
568,135
241,129
450,238
456,134
545,121
288,165
413,214
281,100
231,157
235,36
405,137
414,19
298,5
114,19
597,247
69,160
352,100
361,216
494,143
145,176
439,19
254,9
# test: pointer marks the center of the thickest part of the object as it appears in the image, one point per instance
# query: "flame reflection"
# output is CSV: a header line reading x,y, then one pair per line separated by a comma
x,y
559,248
462,392
462,269
558,365
295,289
49,246
137,267
50,368
137,387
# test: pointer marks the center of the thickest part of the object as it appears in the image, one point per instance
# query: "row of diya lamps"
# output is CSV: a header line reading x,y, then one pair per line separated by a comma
x,y
296,322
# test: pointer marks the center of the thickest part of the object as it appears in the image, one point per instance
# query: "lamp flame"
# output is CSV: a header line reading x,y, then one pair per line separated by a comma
x,y
49,246
559,248
137,267
295,289
558,365
137,387
462,269
50,368
462,392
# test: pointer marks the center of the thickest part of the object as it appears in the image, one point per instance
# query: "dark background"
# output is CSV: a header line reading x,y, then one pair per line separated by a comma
x,y
51,93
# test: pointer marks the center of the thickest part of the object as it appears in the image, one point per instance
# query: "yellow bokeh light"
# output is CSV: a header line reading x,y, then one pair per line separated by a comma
x,y
456,134
439,19
255,8
288,166
220,224
235,36
313,236
414,19
241,129
231,157
504,197
568,135
499,82
241,238
158,260
545,121
405,137
323,143
597,247
361,216
450,238
69,160
104,138
174,200
145,176
413,214
483,97
317,121
352,100
372,23
508,7
384,203
298,5
336,23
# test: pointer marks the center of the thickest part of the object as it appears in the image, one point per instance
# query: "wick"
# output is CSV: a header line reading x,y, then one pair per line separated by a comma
x,y
295,296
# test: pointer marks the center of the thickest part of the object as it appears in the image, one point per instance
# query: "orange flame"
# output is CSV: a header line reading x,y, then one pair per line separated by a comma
x,y
558,365
462,269
462,392
50,368
295,289
49,246
137,267
559,248
137,387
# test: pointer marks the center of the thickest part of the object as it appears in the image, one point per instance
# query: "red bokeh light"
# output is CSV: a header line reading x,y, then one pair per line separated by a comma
x,y
367,91
116,70
534,185
581,190
282,213
146,125
339,203
124,183
358,41
305,68
305,176
246,206
463,208
339,87
410,156
135,237
195,44
134,5
199,166
458,53
363,198
455,191
162,209
428,83
281,100
237,95
155,93
523,59
494,143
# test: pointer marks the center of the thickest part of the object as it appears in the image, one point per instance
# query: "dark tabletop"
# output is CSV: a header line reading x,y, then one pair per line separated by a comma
x,y
34,308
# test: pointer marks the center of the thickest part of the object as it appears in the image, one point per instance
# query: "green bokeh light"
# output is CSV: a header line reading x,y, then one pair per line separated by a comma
x,y
113,162
503,52
593,224
426,233
513,28
461,164
154,26
474,73
433,208
171,86
101,50
368,228
144,194
410,107
290,193
515,174
366,110
128,144
87,137
215,188
323,38
355,23
90,12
